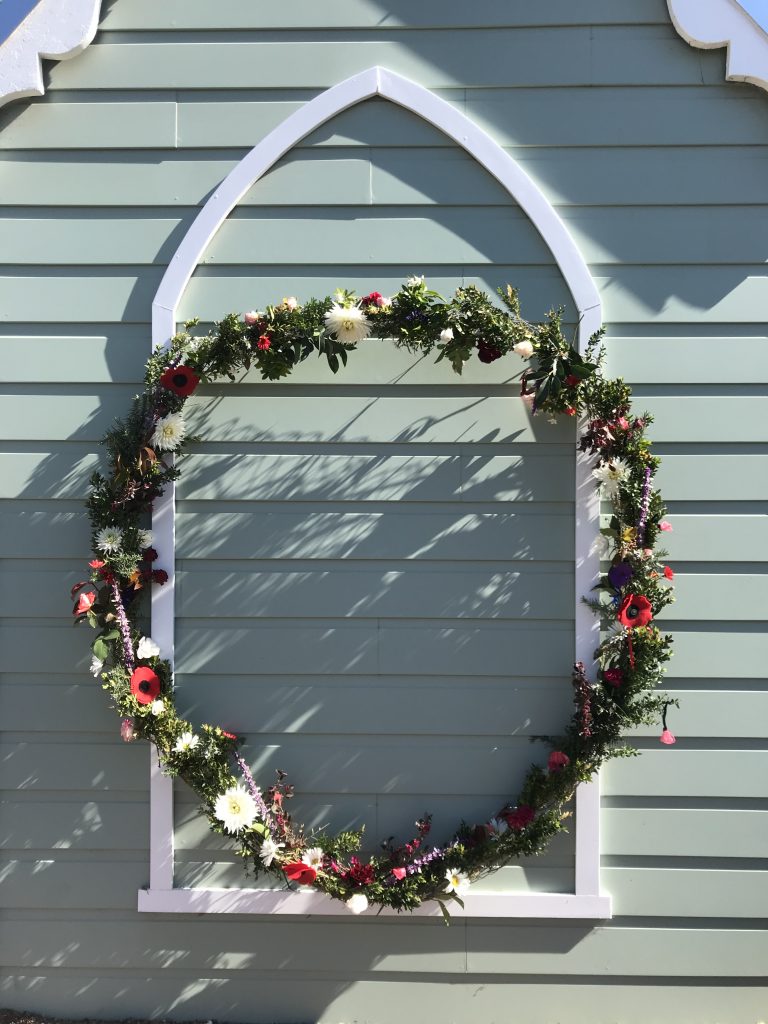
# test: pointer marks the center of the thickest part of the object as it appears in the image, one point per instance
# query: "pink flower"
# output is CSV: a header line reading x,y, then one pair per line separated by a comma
x,y
623,422
399,873
127,731
669,573
667,738
665,526
251,317
557,760
84,603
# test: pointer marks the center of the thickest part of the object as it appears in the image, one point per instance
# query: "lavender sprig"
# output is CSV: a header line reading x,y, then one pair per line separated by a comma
x,y
123,625
644,503
253,789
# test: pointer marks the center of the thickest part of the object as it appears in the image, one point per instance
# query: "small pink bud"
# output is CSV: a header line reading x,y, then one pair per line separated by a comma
x,y
667,738
128,731
665,526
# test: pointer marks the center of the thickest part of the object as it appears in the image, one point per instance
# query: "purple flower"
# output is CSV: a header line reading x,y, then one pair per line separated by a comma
x,y
620,574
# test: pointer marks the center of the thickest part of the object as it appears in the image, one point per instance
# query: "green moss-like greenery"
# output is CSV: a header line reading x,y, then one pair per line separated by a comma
x,y
629,660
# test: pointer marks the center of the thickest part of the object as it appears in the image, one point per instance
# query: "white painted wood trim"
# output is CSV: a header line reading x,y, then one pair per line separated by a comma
x,y
306,903
587,901
52,29
711,24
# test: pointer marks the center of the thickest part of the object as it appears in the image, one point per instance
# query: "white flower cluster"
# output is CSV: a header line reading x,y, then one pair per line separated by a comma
x,y
349,324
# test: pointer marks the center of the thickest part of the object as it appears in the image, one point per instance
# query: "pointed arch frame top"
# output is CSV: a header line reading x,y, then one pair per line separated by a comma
x,y
586,901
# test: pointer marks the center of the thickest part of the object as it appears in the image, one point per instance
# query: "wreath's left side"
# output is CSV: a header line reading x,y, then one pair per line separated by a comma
x,y
634,589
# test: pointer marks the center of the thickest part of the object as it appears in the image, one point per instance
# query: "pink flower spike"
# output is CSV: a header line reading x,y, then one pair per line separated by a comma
x,y
557,760
665,526
667,738
399,873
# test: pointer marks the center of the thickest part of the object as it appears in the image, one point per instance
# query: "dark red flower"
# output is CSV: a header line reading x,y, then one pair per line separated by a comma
x,y
571,380
570,411
264,343
159,576
668,573
557,760
487,353
299,872
614,676
84,603
635,610
149,555
373,299
145,684
182,380
363,874
519,817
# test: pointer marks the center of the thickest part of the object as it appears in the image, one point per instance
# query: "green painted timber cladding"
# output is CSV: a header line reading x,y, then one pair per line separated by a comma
x,y
375,570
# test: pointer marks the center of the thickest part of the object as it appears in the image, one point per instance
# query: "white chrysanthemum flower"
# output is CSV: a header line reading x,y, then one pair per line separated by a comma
x,y
169,432
145,539
446,335
498,826
348,323
235,808
313,858
96,666
157,707
358,903
147,648
610,474
109,539
268,850
414,281
458,881
523,349
186,742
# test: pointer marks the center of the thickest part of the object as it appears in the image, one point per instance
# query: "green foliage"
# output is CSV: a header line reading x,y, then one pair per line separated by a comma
x,y
629,661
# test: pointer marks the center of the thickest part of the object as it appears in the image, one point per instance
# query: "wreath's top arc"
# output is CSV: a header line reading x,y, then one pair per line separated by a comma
x,y
377,81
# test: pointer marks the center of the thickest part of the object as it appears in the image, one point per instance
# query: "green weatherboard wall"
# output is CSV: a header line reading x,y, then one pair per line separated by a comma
x,y
375,570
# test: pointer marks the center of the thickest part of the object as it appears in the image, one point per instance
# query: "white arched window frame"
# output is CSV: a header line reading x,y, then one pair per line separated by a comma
x,y
585,901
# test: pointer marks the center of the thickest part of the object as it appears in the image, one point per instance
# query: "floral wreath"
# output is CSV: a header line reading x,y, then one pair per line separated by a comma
x,y
632,591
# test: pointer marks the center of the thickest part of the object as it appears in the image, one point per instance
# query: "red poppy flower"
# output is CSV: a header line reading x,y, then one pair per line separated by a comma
x,y
557,760
264,343
159,576
635,610
300,872
519,817
182,380
84,603
614,676
668,573
145,685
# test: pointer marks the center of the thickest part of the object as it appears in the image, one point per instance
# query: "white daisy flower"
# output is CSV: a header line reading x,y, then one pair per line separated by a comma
x,y
169,432
235,808
348,323
446,335
157,707
96,666
147,648
523,349
414,281
145,539
358,903
186,742
610,474
268,850
109,539
458,881
313,858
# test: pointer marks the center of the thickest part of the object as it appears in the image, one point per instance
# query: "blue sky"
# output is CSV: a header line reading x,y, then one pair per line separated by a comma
x,y
11,13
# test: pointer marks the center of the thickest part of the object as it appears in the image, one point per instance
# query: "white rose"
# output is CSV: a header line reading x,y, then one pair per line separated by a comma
x,y
358,903
524,349
446,335
157,708
414,281
147,648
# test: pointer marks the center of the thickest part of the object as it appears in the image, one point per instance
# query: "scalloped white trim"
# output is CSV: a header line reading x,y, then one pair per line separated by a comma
x,y
710,24
55,30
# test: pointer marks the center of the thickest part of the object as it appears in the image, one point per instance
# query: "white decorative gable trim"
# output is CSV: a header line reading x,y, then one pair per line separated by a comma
x,y
54,29
741,25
